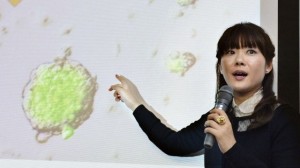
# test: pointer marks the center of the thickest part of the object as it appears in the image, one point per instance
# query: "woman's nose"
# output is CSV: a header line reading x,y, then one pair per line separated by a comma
x,y
239,59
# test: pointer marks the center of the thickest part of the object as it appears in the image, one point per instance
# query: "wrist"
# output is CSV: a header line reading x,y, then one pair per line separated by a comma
x,y
134,106
228,146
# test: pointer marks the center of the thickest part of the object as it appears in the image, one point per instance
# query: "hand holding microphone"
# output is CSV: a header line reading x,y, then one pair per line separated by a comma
x,y
217,119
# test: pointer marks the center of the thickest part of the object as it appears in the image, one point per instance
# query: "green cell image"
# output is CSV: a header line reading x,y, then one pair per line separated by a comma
x,y
180,63
59,98
186,2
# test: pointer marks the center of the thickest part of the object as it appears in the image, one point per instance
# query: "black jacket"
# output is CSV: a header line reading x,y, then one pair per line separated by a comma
x,y
276,144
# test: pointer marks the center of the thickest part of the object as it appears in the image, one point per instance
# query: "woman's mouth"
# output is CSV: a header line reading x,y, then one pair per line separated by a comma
x,y
240,75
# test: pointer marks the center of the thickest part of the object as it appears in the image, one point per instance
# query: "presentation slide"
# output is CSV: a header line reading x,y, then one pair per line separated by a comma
x,y
59,57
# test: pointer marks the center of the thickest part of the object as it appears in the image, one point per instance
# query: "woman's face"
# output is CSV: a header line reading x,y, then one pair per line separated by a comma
x,y
244,70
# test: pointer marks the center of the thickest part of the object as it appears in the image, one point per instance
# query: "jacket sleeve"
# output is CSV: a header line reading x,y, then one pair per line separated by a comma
x,y
184,142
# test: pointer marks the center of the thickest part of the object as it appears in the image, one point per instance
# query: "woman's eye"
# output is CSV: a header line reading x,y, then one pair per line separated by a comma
x,y
251,52
230,52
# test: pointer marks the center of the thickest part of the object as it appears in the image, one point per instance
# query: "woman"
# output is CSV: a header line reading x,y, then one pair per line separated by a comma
x,y
257,131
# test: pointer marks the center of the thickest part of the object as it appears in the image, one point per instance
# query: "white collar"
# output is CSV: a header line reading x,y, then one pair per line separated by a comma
x,y
247,107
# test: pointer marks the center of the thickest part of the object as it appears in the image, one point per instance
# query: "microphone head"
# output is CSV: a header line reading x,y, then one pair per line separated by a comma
x,y
224,96
226,92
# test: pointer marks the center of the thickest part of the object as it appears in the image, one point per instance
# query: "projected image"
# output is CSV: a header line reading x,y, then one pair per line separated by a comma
x,y
186,2
180,63
58,59
59,98
14,2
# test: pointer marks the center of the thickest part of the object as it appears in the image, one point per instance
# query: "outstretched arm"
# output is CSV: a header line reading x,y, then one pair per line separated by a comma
x,y
185,142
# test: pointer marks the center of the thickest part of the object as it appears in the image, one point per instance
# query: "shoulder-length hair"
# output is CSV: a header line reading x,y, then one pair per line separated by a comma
x,y
250,35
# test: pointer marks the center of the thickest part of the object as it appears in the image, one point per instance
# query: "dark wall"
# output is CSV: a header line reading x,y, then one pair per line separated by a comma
x,y
288,51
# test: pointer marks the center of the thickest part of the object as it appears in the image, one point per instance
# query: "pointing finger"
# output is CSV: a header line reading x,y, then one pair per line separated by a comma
x,y
121,78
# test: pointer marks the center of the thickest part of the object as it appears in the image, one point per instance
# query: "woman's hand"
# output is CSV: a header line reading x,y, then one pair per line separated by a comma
x,y
127,92
222,131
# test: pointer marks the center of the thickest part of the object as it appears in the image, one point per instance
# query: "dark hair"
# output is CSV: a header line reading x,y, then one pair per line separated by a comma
x,y
250,35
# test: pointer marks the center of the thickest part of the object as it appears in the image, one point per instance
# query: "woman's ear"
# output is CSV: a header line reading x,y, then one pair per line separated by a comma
x,y
269,67
220,69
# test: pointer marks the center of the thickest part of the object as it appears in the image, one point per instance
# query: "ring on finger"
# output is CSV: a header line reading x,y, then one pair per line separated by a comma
x,y
221,120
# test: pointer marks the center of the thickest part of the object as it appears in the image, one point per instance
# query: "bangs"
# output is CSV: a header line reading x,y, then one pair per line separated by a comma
x,y
241,40
240,37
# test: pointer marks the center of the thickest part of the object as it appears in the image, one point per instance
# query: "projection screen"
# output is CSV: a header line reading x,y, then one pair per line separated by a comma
x,y
58,59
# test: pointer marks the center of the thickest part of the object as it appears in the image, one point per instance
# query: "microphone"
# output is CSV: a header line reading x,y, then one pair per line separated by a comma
x,y
224,98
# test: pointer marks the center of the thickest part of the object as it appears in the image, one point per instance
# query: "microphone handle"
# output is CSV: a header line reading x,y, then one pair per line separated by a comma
x,y
209,141
209,138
